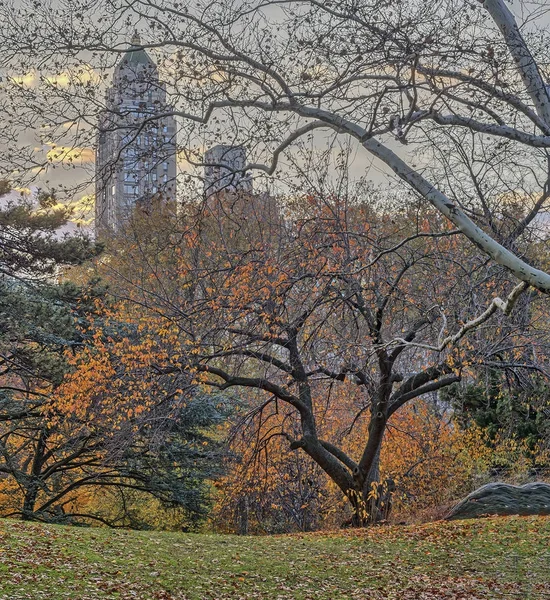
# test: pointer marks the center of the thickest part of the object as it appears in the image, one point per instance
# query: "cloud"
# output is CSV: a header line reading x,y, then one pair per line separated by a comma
x,y
82,211
77,75
26,80
188,159
22,191
70,155
82,74
174,67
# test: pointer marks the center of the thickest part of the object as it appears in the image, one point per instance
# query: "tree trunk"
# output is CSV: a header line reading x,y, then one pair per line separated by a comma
x,y
242,515
31,491
29,501
373,502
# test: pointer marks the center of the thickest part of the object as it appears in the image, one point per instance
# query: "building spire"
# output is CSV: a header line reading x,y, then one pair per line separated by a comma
x,y
136,40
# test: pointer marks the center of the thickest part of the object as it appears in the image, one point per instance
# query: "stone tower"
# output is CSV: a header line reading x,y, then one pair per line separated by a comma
x,y
136,151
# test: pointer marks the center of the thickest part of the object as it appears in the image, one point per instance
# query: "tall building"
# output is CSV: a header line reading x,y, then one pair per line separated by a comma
x,y
224,170
136,151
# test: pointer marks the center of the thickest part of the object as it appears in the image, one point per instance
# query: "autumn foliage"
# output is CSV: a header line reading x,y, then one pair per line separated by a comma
x,y
316,339
433,462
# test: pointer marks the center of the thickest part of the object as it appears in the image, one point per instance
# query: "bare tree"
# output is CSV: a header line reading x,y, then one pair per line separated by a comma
x,y
340,296
400,78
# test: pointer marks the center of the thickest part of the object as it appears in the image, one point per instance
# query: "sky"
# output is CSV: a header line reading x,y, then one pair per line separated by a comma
x,y
75,166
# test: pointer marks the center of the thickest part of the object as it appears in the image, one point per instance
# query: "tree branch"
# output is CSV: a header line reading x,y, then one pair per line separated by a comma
x,y
527,66
253,382
400,400
505,306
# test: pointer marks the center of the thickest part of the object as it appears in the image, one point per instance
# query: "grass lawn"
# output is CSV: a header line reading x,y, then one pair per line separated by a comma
x,y
490,558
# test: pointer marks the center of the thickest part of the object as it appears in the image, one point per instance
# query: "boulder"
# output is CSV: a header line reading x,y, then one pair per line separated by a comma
x,y
504,499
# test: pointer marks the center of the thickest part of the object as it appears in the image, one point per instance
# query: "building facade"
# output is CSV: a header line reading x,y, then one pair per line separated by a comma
x,y
136,152
224,170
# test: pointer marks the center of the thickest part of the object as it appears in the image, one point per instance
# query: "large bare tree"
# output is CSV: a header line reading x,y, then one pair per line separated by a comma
x,y
340,308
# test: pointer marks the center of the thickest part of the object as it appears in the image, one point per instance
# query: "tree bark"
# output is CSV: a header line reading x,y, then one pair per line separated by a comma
x,y
31,492
528,69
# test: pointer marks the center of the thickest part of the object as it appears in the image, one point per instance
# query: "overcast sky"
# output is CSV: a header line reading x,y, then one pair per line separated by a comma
x,y
360,162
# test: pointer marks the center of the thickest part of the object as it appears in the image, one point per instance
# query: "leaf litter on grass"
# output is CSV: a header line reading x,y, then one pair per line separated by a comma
x,y
489,558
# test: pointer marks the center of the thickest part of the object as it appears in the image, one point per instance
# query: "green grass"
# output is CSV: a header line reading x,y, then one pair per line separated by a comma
x,y
489,558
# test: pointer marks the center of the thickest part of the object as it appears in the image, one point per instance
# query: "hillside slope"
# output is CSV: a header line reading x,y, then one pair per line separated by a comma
x,y
490,558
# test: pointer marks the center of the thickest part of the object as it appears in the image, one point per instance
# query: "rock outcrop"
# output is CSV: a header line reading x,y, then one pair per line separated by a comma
x,y
504,499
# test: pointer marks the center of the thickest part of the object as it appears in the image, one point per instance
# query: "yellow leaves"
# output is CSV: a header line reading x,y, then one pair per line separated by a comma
x,y
374,491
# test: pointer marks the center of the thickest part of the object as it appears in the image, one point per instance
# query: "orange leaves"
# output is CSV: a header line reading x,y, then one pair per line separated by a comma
x,y
114,378
315,307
